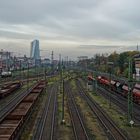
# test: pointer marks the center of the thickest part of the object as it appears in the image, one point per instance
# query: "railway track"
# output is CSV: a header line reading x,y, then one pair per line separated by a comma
x,y
113,132
121,102
9,89
11,124
24,79
13,102
46,124
79,128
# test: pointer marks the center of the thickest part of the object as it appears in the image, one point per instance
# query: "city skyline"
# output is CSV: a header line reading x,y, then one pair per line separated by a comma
x,y
72,28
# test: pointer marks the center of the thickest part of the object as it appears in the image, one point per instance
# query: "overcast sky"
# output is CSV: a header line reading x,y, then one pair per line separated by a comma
x,y
70,27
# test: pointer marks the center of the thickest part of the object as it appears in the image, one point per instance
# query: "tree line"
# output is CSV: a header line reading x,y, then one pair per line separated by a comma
x,y
119,61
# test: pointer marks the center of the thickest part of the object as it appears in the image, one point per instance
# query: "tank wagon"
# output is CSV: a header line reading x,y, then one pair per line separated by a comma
x,y
120,88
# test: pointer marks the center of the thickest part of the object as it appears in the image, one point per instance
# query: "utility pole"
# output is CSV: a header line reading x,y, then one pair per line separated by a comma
x,y
60,70
67,61
20,70
110,89
137,47
62,87
38,73
110,64
45,76
27,75
14,65
35,70
52,60
130,96
95,77
63,120
45,73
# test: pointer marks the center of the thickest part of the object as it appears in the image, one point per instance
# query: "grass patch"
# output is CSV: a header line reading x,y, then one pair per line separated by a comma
x,y
119,118
94,129
73,84
65,131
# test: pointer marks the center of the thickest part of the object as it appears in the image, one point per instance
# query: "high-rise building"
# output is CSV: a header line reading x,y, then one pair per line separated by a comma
x,y
35,52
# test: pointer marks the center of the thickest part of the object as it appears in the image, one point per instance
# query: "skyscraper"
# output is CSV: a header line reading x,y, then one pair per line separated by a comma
x,y
35,52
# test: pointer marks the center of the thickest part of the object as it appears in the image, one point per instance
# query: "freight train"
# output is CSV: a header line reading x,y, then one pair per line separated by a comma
x,y
120,87
9,88
12,125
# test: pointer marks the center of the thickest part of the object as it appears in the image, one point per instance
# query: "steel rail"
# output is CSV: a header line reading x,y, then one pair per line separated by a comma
x,y
79,127
6,109
122,104
105,120
44,118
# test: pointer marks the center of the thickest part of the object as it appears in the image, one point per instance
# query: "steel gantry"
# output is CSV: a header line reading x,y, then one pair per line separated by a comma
x,y
130,93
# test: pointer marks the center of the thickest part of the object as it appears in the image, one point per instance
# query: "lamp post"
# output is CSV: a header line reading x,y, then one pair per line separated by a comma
x,y
110,64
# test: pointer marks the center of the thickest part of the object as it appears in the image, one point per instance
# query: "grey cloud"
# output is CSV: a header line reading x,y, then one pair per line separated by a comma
x,y
72,21
29,11
15,35
98,46
76,18
104,49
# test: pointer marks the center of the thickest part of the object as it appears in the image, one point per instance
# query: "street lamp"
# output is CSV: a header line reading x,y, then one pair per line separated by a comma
x,y
110,64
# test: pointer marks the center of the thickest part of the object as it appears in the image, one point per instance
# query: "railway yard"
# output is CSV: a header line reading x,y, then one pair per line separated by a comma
x,y
63,108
